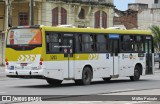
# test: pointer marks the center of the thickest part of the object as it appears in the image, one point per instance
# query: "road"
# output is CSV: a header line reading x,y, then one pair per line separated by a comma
x,y
121,86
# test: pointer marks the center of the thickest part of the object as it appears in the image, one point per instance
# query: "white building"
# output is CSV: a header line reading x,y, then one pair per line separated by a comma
x,y
151,3
148,18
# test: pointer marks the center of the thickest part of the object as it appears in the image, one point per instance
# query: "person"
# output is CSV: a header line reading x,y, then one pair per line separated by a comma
x,y
11,37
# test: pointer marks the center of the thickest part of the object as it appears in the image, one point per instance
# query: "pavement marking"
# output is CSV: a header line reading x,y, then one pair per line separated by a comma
x,y
114,91
84,102
138,102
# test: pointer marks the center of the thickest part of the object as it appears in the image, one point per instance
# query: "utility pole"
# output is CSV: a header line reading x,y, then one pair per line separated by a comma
x,y
31,12
9,13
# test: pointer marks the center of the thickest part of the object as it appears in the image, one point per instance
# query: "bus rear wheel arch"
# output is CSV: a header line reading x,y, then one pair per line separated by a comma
x,y
87,75
137,73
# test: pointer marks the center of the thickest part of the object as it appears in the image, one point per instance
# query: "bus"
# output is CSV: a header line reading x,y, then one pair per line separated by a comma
x,y
80,54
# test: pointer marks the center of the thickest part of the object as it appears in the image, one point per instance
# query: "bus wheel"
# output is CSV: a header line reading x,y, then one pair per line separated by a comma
x,y
53,82
86,77
107,79
136,76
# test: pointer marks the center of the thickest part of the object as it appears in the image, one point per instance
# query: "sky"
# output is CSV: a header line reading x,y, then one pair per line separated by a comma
x,y
122,4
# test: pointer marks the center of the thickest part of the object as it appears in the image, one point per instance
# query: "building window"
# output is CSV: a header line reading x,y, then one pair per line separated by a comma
x,y
97,19
23,19
55,16
82,14
104,19
156,1
63,16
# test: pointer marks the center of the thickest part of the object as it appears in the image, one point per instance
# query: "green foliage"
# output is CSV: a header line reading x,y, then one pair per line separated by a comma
x,y
156,34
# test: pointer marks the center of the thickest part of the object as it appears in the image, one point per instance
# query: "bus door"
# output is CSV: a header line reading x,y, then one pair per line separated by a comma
x,y
149,57
68,53
114,49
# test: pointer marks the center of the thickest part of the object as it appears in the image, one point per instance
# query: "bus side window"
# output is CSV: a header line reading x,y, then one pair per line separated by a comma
x,y
53,41
79,43
101,43
127,43
86,43
139,43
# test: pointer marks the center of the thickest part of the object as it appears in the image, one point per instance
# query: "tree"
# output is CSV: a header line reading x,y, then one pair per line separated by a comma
x,y
156,38
156,32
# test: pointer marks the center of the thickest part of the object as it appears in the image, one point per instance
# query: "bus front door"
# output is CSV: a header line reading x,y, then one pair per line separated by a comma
x,y
149,55
68,55
114,49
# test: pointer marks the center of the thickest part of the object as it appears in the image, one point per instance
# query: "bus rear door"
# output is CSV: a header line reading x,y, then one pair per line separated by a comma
x,y
68,53
114,49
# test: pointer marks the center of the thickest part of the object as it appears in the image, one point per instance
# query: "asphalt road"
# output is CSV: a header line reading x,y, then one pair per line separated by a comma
x,y
149,84
40,87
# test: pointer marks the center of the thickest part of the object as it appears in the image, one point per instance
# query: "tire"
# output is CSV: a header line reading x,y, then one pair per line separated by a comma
x,y
53,82
86,77
136,76
107,79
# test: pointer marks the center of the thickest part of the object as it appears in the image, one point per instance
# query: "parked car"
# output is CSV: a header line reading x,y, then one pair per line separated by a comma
x,y
157,57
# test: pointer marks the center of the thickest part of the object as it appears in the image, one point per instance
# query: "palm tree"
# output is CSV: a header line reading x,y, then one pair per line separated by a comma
x,y
156,38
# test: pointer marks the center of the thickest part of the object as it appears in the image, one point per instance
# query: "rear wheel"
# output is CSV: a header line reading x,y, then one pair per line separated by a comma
x,y
136,76
86,77
53,82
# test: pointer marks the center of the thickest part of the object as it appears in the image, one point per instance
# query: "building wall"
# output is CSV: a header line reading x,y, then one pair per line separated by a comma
x,y
72,14
137,6
2,16
148,17
22,7
149,2
127,18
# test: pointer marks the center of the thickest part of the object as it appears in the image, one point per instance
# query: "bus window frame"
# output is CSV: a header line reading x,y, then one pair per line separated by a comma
x,y
121,51
62,38
96,34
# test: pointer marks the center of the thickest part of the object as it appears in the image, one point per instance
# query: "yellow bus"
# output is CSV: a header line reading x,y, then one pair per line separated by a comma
x,y
80,54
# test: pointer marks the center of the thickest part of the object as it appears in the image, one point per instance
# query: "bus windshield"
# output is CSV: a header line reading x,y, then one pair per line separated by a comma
x,y
24,37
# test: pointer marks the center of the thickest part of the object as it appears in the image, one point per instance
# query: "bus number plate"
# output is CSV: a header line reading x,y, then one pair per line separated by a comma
x,y
23,64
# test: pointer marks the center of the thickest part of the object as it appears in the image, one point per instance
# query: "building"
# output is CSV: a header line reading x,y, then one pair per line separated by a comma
x,y
80,13
125,19
146,16
137,6
151,3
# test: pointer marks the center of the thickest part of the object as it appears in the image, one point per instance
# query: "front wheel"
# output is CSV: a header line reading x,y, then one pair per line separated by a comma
x,y
86,77
136,76
53,82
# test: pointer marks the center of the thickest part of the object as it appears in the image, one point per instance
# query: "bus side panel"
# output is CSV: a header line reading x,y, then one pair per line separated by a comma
x,y
128,62
100,65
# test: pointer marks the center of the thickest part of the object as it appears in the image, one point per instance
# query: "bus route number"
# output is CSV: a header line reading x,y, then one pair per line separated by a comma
x,y
53,57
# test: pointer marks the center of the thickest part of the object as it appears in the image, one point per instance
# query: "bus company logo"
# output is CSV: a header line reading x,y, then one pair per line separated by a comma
x,y
26,58
6,98
93,57
131,56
